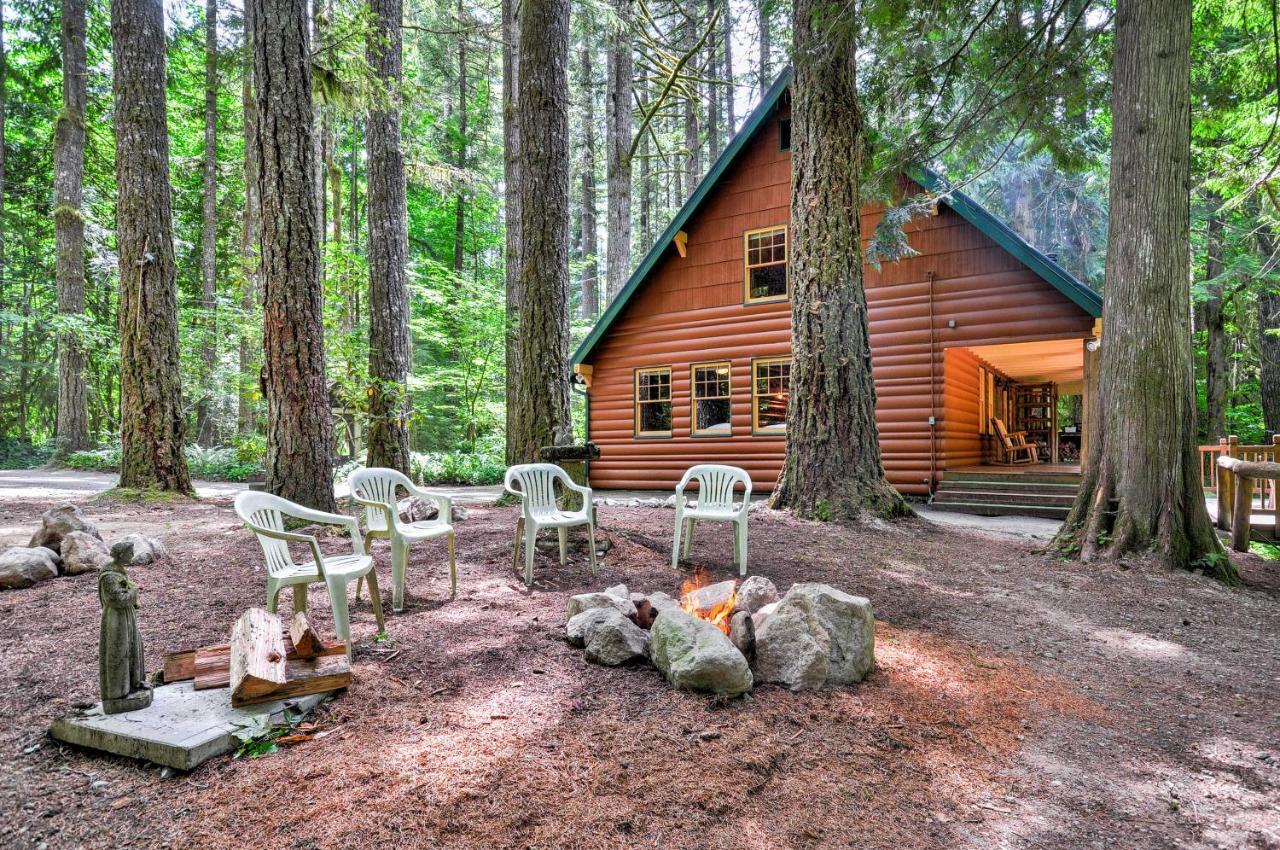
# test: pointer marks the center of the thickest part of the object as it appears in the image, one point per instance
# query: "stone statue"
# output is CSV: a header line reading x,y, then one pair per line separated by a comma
x,y
121,676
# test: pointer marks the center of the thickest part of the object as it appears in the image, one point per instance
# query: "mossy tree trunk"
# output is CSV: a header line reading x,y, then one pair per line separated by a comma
x,y
299,421
833,468
152,425
1141,488
205,425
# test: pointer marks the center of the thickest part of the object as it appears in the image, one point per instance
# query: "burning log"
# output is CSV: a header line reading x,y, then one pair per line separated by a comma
x,y
711,602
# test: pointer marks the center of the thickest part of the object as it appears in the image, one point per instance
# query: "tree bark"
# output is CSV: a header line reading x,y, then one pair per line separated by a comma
x,y
68,217
205,430
587,221
730,108
541,415
1269,338
388,240
459,199
833,468
1140,488
763,15
692,132
618,105
250,240
299,421
1215,333
713,87
152,425
511,179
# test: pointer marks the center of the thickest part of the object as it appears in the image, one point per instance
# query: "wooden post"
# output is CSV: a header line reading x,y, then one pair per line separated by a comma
x,y
1227,484
1222,486
1088,396
1242,513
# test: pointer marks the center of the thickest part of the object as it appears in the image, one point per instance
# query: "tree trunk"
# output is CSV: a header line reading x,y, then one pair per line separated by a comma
x,y
541,415
618,105
763,14
459,200
1141,484
1269,338
388,238
152,425
251,240
587,222
299,421
730,108
833,468
205,435
511,179
68,217
692,132
713,87
1215,333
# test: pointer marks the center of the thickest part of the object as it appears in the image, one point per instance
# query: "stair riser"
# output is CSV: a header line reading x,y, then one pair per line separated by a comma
x,y
1006,487
1023,499
1006,510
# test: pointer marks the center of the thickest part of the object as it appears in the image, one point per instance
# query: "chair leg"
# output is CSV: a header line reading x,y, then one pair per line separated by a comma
x,y
375,596
675,545
564,545
399,565
530,538
273,598
341,614
359,585
453,569
591,538
299,598
515,552
688,535
740,532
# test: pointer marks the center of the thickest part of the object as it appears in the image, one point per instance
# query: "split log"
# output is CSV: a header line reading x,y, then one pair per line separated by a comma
x,y
179,666
306,643
304,676
257,655
211,667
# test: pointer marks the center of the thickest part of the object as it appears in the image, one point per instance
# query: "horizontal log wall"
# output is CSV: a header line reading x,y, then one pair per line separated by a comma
x,y
691,311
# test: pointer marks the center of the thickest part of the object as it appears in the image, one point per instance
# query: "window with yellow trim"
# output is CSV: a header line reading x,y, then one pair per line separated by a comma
x,y
770,394
653,402
766,260
711,402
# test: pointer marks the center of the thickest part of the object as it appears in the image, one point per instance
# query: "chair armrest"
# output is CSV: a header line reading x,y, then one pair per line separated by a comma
x,y
325,518
584,491
387,510
294,537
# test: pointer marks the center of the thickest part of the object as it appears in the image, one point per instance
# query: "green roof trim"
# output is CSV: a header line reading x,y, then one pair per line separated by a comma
x,y
1080,293
1062,280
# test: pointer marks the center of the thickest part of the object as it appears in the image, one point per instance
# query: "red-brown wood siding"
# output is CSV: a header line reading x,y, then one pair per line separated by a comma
x,y
691,311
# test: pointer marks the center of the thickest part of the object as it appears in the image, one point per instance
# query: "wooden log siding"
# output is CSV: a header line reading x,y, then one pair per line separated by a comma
x,y
691,310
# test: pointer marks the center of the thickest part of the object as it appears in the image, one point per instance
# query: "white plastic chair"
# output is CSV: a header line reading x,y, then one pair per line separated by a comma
x,y
715,504
375,489
539,509
264,515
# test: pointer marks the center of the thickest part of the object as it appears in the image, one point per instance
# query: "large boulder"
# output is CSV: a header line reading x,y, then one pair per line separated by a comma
x,y
850,623
755,592
792,647
608,637
146,550
24,566
414,509
57,522
695,655
83,553
587,601
662,601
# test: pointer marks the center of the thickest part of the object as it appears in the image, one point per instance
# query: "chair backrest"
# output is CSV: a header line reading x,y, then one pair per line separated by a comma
x,y
377,484
267,511
1002,433
716,483
537,486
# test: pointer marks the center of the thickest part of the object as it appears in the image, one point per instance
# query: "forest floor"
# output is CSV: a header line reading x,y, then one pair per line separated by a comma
x,y
1018,701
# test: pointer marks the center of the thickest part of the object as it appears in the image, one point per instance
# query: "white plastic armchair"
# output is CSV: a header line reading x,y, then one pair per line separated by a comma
x,y
264,515
539,509
715,504
375,490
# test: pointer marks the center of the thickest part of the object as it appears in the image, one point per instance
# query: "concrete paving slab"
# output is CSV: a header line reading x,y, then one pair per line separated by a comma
x,y
182,727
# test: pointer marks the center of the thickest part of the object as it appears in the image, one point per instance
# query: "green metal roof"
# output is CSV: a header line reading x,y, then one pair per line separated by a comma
x,y
1062,280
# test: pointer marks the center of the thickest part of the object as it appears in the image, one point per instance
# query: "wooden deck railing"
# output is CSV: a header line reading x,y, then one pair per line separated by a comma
x,y
1217,478
1237,482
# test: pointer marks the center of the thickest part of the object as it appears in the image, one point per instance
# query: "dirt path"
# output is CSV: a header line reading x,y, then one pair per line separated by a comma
x,y
1019,701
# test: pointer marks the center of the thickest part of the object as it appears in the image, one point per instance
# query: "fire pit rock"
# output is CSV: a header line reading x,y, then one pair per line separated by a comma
x,y
792,647
609,637
587,601
755,592
695,655
850,623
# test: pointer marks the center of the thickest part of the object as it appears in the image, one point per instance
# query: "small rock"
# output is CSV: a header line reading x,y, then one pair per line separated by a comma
x,y
670,501
755,592
758,506
146,550
792,647
83,553
618,591
587,601
742,632
57,522
608,637
414,509
23,566
712,595
695,655
851,625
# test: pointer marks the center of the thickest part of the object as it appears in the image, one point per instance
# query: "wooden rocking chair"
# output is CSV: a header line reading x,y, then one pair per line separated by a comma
x,y
1014,448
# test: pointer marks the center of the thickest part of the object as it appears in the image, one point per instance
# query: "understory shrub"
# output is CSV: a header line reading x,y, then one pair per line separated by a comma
x,y
483,466
223,464
23,454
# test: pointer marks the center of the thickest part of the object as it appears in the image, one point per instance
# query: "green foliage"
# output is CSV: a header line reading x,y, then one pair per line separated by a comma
x,y
458,468
21,454
1269,551
225,464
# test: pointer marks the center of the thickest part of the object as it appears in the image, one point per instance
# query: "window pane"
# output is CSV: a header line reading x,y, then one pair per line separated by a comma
x,y
713,416
773,390
655,416
768,282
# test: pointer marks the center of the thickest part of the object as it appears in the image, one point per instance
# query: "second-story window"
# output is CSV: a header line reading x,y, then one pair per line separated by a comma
x,y
766,260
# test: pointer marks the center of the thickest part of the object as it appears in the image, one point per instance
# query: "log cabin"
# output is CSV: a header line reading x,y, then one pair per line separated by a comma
x,y
690,362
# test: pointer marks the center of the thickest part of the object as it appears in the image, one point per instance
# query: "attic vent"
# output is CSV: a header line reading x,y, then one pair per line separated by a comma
x,y
784,134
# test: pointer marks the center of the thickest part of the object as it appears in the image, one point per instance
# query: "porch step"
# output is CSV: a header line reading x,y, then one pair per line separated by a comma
x,y
1012,487
999,492
985,477
988,509
1060,498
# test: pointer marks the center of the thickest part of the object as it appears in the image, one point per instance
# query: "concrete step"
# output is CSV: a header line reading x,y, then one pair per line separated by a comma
x,y
1012,487
1053,499
1014,477
990,509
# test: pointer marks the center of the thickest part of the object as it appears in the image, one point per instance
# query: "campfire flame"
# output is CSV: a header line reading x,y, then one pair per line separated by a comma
x,y
717,615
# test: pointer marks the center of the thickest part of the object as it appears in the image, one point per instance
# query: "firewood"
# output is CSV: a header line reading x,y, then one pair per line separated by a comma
x,y
212,665
179,666
306,642
303,676
257,655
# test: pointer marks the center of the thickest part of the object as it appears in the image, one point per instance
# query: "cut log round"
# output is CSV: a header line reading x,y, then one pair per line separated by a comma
x,y
257,655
